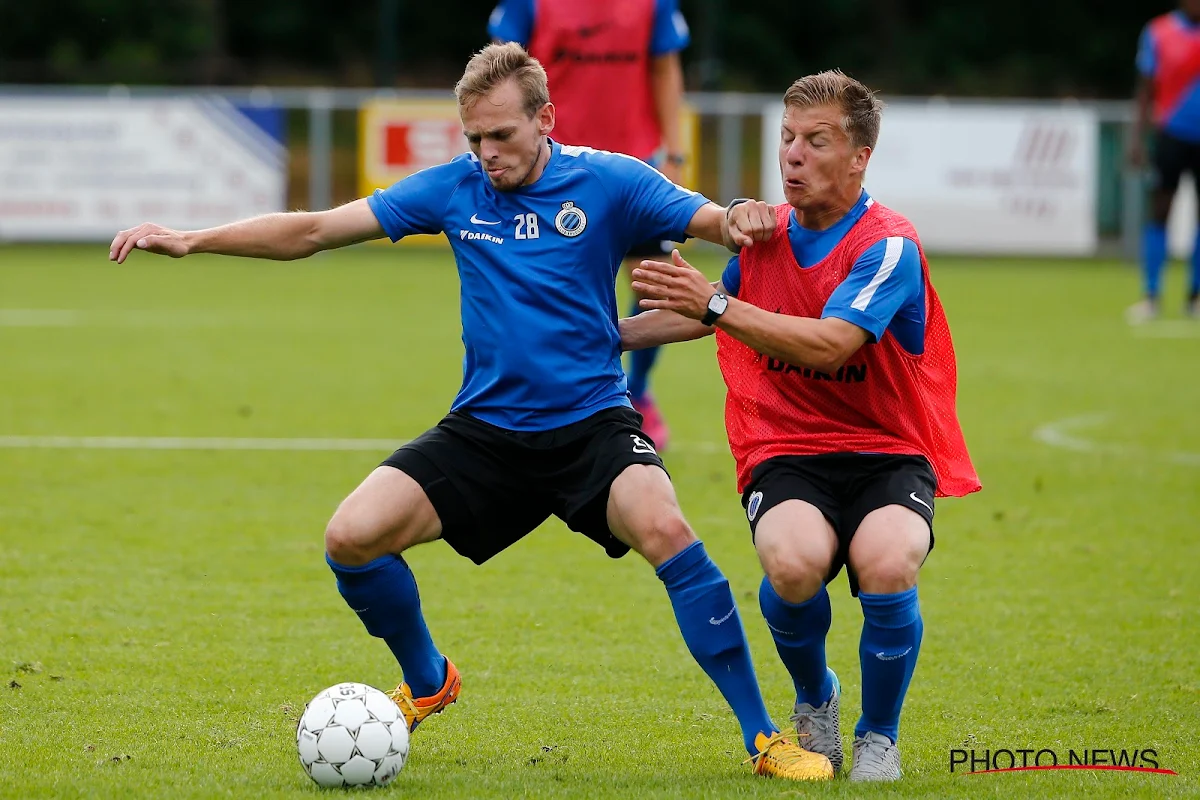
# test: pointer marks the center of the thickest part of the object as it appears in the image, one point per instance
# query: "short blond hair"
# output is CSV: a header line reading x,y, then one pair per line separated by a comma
x,y
861,109
495,64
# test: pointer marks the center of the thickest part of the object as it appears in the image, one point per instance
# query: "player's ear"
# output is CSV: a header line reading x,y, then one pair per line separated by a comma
x,y
545,118
861,157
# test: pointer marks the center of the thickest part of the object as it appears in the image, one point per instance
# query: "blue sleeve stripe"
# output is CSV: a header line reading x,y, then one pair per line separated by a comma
x,y
1145,55
731,277
891,256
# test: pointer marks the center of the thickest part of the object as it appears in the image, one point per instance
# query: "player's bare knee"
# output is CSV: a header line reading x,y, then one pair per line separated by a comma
x,y
795,576
666,536
887,573
351,543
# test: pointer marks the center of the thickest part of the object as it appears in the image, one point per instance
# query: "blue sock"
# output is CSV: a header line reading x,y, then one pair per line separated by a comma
x,y
1154,256
384,594
887,651
799,630
1194,285
712,629
640,364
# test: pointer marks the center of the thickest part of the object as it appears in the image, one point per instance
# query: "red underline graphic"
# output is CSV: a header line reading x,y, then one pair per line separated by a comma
x,y
1077,766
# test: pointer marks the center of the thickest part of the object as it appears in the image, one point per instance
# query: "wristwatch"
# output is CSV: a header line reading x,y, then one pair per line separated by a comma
x,y
717,304
676,159
735,202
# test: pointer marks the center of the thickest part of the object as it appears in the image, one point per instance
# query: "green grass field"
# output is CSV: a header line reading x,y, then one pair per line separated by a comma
x,y
166,613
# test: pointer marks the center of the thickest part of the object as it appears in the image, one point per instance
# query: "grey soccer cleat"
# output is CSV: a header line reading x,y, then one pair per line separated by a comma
x,y
875,758
819,728
1142,311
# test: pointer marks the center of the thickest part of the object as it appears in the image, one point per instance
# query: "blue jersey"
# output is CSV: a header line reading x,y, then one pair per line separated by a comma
x,y
885,290
1169,57
538,268
513,21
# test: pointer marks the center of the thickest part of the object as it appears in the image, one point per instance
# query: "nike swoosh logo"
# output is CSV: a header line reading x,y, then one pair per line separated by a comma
x,y
883,657
589,31
715,621
777,630
476,220
913,495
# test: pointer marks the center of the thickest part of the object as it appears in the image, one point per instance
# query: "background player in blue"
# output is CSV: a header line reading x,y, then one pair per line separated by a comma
x,y
542,424
618,85
1168,103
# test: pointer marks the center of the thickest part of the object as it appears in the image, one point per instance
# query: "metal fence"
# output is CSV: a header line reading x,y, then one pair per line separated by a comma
x,y
730,140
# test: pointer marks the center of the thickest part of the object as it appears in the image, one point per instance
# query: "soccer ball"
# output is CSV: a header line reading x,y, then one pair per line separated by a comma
x,y
352,734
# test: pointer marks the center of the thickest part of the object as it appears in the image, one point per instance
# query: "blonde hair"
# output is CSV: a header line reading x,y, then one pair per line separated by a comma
x,y
495,64
861,110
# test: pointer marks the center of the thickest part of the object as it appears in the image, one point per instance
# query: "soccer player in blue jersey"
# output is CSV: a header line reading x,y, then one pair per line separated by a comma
x,y
542,424
1168,102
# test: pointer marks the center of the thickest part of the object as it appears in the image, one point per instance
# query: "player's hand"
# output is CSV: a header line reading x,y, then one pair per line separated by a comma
x,y
750,222
151,238
1136,154
674,172
677,287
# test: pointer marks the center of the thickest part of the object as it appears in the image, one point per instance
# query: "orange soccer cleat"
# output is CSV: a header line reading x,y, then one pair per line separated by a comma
x,y
415,709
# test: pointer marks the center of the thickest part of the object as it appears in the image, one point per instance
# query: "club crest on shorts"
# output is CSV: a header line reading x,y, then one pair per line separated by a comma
x,y
570,220
752,506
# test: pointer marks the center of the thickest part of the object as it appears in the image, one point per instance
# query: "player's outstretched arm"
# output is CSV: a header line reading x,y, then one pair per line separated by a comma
x,y
661,325
282,237
820,344
655,328
737,226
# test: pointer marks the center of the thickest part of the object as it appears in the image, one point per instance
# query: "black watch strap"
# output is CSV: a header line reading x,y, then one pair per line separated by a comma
x,y
710,316
735,202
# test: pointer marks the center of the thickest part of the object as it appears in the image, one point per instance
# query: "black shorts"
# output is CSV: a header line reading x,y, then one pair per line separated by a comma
x,y
651,249
1170,158
845,487
491,486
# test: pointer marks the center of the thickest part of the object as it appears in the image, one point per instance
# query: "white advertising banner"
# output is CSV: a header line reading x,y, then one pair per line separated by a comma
x,y
84,168
1001,179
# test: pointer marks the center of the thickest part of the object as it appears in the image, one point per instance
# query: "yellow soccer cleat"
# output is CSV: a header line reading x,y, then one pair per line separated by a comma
x,y
416,709
780,757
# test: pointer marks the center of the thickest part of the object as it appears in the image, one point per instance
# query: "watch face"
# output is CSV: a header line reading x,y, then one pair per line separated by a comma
x,y
718,303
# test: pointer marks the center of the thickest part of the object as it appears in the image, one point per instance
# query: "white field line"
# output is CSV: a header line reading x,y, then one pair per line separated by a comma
x,y
1168,329
222,443
1062,434
192,443
76,318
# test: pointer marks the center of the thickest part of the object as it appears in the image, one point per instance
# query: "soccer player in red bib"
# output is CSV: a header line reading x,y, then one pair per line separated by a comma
x,y
618,85
840,408
1168,100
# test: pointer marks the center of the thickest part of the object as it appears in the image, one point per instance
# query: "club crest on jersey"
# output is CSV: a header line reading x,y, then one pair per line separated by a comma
x,y
570,221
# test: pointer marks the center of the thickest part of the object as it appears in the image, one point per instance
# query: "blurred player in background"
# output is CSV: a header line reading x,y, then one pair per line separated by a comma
x,y
840,410
542,424
1168,102
614,69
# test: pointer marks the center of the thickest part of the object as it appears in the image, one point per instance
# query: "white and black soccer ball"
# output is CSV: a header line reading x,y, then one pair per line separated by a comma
x,y
352,734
